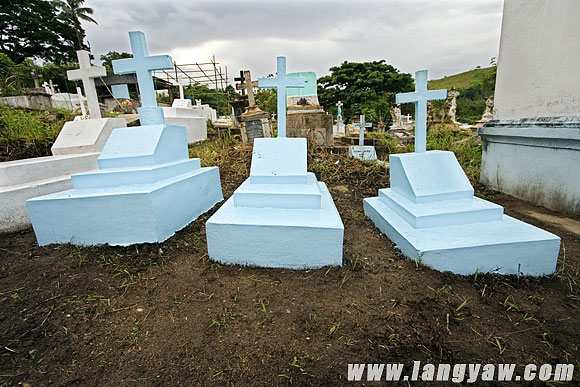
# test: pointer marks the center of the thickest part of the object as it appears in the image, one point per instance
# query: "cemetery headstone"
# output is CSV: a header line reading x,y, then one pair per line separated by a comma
x,y
306,118
430,212
254,121
281,216
362,151
531,147
146,187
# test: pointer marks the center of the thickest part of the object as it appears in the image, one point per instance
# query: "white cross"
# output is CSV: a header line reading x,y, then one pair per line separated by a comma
x,y
281,82
82,102
182,82
362,125
86,72
142,64
339,104
420,96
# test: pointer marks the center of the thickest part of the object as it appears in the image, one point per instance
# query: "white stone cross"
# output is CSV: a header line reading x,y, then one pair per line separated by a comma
x,y
182,82
281,82
420,97
86,72
82,103
362,125
142,65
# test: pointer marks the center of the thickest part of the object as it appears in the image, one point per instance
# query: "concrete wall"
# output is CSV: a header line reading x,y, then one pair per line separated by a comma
x,y
36,101
538,72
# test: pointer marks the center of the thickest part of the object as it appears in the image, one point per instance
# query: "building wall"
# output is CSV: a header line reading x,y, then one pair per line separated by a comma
x,y
538,72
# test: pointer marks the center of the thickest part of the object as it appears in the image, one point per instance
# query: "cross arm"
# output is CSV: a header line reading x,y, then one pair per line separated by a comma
x,y
268,82
295,82
123,66
406,97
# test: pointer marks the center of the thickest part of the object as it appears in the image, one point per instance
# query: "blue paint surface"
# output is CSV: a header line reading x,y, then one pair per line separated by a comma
x,y
420,97
142,65
142,194
281,216
146,187
120,91
430,213
281,82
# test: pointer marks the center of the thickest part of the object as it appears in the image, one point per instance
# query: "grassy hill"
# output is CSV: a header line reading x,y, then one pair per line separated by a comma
x,y
461,80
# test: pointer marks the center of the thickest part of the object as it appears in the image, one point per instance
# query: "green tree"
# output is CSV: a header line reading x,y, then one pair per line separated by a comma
x,y
267,99
74,12
31,29
110,56
364,88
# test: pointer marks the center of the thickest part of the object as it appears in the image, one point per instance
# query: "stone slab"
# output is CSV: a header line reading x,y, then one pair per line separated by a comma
x,y
278,160
85,136
443,212
508,246
429,176
277,237
14,216
279,195
195,127
125,215
25,171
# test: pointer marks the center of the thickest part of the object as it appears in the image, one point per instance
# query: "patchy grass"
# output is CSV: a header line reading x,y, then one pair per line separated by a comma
x,y
462,80
29,133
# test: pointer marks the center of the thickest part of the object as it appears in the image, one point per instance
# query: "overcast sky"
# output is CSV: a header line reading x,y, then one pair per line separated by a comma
x,y
443,36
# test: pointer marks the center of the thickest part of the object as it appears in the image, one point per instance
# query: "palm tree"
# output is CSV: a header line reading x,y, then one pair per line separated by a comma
x,y
73,11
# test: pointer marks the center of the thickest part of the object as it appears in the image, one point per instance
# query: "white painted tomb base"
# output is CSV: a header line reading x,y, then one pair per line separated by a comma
x,y
75,150
431,215
281,216
181,113
145,190
537,160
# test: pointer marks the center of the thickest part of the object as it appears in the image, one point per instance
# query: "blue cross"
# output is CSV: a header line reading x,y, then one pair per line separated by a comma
x,y
281,82
142,64
420,96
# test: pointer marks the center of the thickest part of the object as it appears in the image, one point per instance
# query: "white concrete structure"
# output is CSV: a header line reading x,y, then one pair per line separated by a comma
x,y
532,146
75,150
182,113
538,63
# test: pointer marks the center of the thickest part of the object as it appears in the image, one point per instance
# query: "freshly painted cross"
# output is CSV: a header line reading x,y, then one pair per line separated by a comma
x,y
420,96
281,82
142,64
362,125
86,72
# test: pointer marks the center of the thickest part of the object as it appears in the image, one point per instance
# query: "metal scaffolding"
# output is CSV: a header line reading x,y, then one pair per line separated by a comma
x,y
210,74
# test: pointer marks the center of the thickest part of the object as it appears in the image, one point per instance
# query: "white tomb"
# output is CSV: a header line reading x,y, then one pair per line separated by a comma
x,y
182,113
75,150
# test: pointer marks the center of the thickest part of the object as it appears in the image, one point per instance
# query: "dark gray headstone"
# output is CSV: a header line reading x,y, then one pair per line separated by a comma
x,y
254,130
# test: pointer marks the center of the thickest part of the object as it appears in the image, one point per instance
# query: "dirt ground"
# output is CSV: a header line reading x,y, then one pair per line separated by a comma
x,y
165,314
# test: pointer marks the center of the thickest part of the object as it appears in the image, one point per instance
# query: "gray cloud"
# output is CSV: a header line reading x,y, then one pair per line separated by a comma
x,y
445,36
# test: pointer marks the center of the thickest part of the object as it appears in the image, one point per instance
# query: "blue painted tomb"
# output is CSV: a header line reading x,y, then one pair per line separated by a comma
x,y
431,214
146,187
281,216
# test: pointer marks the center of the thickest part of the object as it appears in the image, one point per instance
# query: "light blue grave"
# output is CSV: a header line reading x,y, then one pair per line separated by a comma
x,y
146,187
362,151
120,91
281,216
430,212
